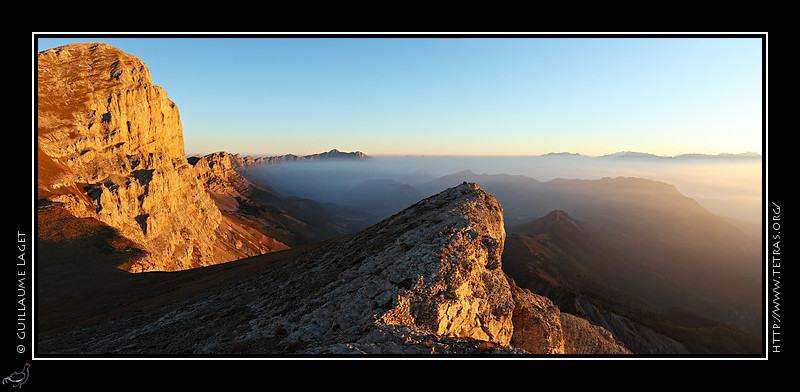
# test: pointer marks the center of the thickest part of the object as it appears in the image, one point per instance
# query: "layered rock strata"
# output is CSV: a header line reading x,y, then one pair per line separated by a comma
x,y
110,147
218,172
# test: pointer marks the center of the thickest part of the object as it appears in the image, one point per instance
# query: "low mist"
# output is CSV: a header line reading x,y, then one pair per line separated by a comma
x,y
729,187
644,237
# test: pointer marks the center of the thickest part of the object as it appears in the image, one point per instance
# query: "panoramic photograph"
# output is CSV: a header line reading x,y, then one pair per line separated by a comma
x,y
539,197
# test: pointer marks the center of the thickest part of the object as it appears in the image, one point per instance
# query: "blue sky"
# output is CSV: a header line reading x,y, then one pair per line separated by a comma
x,y
470,96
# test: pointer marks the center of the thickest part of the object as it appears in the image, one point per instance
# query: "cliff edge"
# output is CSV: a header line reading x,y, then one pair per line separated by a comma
x,y
110,147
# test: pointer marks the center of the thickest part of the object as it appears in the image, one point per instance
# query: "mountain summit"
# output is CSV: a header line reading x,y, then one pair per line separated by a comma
x,y
110,148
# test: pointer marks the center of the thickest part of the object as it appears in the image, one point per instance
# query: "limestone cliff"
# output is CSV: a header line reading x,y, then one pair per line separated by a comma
x,y
218,174
427,280
110,147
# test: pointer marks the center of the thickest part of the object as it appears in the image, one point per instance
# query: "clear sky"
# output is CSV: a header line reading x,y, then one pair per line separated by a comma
x,y
469,96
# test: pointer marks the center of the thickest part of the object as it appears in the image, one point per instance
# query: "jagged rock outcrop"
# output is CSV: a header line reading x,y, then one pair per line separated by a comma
x,y
110,147
218,174
537,323
427,280
541,328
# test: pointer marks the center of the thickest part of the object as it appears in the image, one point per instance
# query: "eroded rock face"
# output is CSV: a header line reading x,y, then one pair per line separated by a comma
x,y
583,337
434,267
99,113
537,324
541,328
110,147
218,174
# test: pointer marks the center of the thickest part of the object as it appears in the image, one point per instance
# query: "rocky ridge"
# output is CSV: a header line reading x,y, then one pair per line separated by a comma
x,y
427,280
110,147
271,160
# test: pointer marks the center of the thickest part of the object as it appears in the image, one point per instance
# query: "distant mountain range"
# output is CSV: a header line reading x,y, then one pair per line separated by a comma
x,y
333,154
358,155
634,154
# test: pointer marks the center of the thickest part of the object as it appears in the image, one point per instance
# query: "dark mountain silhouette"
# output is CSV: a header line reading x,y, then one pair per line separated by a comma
x,y
655,241
581,265
560,259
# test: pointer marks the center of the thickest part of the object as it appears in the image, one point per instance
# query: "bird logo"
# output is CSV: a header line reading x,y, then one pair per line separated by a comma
x,y
18,378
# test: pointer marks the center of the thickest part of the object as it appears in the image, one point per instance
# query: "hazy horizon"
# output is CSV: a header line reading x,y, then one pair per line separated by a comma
x,y
548,154
728,187
482,96
485,104
587,126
